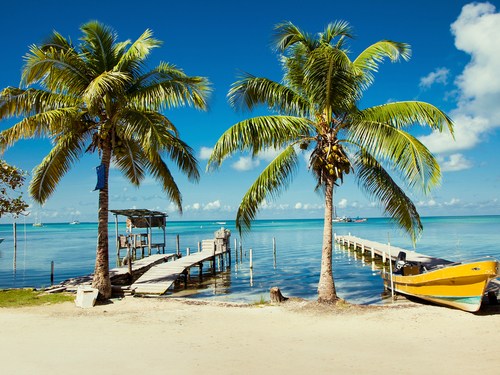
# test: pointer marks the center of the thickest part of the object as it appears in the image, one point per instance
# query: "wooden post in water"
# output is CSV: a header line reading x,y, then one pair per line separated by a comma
x,y
362,249
188,251
251,258
15,245
52,273
241,254
213,262
178,250
274,251
199,246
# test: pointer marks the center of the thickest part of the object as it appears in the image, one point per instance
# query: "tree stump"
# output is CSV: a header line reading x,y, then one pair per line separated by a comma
x,y
276,296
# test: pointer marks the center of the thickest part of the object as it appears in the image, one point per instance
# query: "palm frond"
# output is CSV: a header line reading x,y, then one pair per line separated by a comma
x,y
183,156
257,134
330,84
18,102
150,128
159,170
378,184
269,185
250,92
58,42
287,35
97,47
405,115
57,70
106,82
133,59
54,166
336,29
132,163
168,87
406,154
368,61
40,125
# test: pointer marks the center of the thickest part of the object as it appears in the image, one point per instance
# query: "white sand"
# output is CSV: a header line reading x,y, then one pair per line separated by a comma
x,y
153,336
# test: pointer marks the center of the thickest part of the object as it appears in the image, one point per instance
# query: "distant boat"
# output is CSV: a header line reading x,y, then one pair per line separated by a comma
x,y
74,222
36,223
360,220
221,222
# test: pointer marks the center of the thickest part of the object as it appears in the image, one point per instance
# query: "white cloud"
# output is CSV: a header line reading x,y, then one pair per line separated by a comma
x,y
193,207
429,203
308,206
205,153
212,206
477,32
456,162
171,207
342,203
265,205
269,154
453,202
440,76
245,163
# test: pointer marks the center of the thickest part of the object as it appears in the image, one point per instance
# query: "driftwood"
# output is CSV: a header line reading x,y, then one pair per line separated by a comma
x,y
276,296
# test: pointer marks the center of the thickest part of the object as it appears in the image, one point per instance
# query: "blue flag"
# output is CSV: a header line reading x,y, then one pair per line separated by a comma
x,y
101,177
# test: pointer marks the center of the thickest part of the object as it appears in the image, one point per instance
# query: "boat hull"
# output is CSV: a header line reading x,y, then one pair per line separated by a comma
x,y
461,286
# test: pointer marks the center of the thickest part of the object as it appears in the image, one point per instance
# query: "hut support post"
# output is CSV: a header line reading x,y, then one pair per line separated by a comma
x,y
117,242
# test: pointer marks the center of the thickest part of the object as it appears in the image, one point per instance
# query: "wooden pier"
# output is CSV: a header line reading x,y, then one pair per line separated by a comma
x,y
158,274
161,277
382,250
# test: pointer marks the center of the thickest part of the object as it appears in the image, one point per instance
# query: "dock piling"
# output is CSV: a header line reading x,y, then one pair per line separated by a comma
x,y
251,258
52,273
178,250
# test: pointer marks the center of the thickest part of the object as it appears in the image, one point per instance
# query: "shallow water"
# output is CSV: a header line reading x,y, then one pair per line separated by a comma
x,y
298,254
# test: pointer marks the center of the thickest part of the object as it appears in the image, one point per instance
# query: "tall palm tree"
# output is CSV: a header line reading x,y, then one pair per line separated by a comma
x,y
316,108
99,97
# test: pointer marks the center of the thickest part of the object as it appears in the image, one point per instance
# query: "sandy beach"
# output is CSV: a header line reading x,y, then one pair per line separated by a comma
x,y
167,336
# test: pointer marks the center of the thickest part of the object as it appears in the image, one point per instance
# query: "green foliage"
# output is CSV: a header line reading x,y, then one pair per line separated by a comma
x,y
98,96
29,297
317,110
12,179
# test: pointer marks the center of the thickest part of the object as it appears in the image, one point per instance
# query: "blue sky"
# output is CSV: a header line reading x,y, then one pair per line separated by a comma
x,y
454,65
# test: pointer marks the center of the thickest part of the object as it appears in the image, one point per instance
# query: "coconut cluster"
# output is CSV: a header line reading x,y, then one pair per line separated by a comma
x,y
333,160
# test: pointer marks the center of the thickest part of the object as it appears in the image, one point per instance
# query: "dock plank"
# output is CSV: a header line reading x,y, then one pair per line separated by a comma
x,y
160,278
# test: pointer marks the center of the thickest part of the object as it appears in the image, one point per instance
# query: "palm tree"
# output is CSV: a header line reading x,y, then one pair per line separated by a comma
x,y
99,97
316,108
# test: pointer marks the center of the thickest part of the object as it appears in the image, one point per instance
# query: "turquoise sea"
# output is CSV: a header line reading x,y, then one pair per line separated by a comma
x,y
298,254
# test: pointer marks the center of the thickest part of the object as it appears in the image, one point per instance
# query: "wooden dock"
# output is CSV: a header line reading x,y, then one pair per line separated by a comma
x,y
115,274
161,277
382,250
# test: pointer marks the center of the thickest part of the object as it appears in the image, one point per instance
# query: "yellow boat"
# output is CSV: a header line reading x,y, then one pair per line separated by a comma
x,y
461,285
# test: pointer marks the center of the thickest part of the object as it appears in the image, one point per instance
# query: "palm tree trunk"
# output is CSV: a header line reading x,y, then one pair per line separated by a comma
x,y
326,287
101,279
